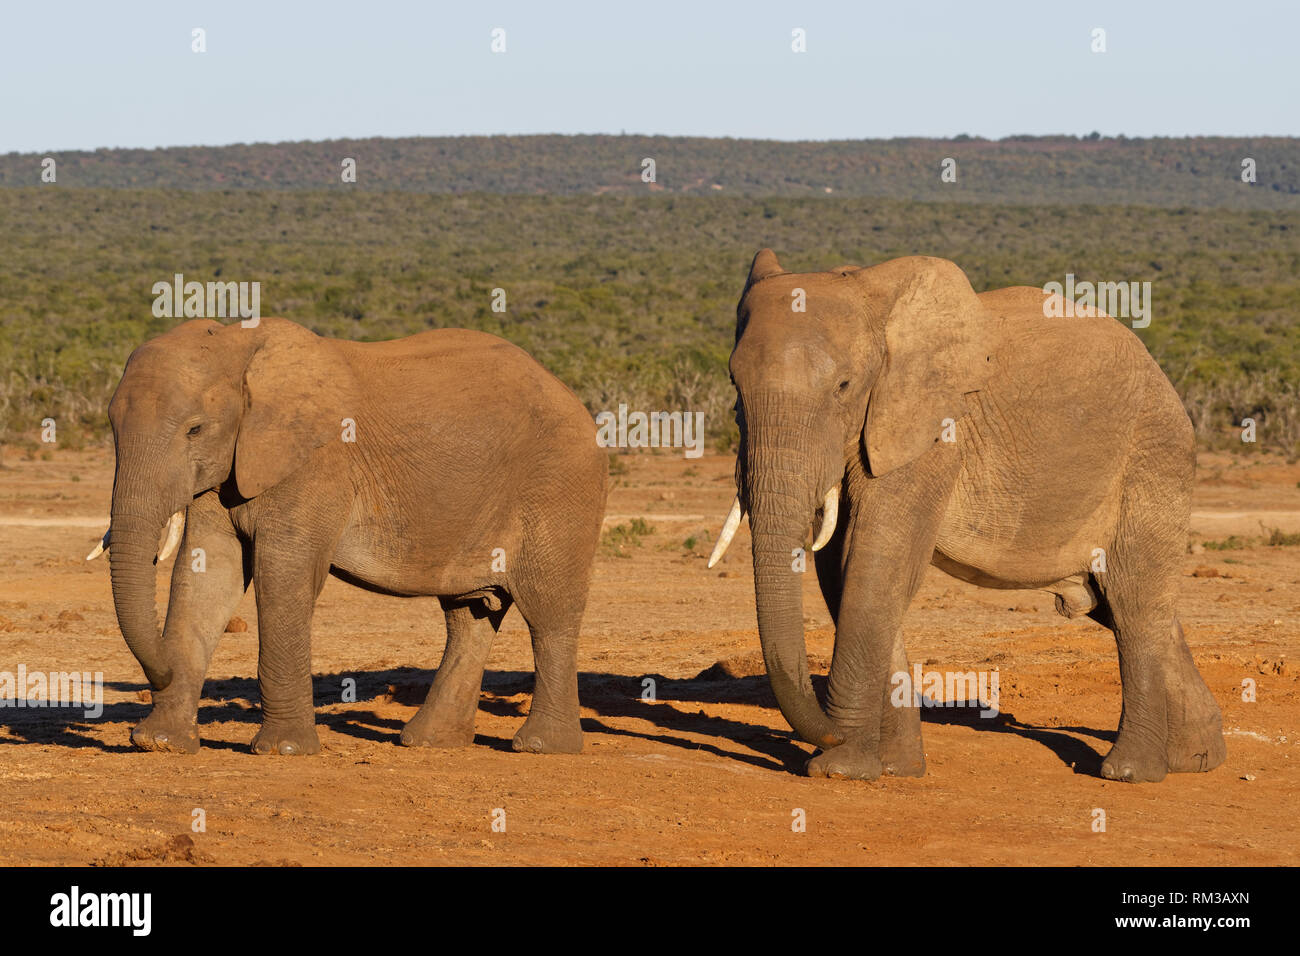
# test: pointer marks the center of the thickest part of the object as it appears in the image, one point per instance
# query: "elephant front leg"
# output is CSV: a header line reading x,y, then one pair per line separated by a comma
x,y
881,727
446,719
902,751
290,571
208,581
890,541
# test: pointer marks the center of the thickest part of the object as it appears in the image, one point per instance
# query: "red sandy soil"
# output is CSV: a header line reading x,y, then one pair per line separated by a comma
x,y
708,773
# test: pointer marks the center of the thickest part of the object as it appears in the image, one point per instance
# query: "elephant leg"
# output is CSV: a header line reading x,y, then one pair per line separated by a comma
x,y
1169,722
553,724
205,590
893,526
550,589
446,719
291,561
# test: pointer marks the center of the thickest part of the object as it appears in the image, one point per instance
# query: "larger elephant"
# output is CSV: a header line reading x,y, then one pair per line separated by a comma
x,y
448,464
921,423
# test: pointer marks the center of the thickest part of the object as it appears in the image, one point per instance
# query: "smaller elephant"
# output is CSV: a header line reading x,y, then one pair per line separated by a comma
x,y
447,464
916,423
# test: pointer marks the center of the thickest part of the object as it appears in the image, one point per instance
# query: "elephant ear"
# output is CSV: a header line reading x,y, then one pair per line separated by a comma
x,y
938,348
297,391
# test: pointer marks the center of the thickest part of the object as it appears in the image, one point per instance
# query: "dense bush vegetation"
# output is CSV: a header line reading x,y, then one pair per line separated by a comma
x,y
625,298
1198,171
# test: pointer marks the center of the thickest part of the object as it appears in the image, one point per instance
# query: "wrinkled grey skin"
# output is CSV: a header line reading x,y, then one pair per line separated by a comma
x,y
463,445
1068,438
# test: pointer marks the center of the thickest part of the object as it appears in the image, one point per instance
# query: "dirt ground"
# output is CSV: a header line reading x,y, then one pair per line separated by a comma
x,y
707,773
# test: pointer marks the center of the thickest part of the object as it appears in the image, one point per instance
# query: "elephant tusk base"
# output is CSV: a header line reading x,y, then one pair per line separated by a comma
x,y
727,533
830,515
175,525
101,548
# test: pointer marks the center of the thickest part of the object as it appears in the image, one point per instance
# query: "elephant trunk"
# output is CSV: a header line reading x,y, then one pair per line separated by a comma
x,y
781,503
136,523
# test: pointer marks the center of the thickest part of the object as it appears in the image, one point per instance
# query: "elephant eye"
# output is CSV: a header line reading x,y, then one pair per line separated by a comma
x,y
194,431
844,386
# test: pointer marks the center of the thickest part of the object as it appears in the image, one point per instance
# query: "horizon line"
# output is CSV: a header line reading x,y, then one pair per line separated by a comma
x,y
1091,136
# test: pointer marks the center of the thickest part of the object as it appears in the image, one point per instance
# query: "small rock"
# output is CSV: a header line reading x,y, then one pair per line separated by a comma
x,y
1249,776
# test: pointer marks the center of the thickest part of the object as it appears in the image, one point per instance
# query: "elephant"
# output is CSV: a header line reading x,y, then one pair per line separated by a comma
x,y
911,422
446,464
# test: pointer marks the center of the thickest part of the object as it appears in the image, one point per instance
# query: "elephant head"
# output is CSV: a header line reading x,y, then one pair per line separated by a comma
x,y
830,368
201,407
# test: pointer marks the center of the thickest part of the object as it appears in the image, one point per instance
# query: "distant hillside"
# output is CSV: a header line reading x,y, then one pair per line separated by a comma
x,y
1196,171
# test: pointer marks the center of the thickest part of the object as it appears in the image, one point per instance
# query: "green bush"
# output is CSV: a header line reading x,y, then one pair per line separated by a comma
x,y
627,298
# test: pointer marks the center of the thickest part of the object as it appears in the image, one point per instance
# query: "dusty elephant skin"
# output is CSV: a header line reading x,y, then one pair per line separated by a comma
x,y
931,425
448,463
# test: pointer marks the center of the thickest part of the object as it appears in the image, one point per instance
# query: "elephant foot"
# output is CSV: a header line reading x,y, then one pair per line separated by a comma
x,y
1196,739
905,765
850,761
1203,752
290,738
902,754
168,733
539,735
423,733
1135,764
1188,753
1193,738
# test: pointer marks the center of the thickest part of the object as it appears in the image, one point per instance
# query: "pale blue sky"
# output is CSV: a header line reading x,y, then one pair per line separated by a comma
x,y
80,75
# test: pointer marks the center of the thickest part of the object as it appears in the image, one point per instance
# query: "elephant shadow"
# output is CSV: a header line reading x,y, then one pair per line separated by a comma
x,y
1073,752
652,698
615,696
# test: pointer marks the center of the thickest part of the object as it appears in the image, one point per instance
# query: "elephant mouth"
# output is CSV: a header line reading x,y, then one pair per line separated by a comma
x,y
830,511
175,528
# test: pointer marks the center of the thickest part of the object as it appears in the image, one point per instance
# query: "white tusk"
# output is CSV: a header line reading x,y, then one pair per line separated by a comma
x,y
830,512
175,525
99,548
727,533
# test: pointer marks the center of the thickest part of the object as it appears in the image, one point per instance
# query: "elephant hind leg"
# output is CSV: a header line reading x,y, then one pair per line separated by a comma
x,y
446,718
553,577
553,724
554,620
1170,721
1195,721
